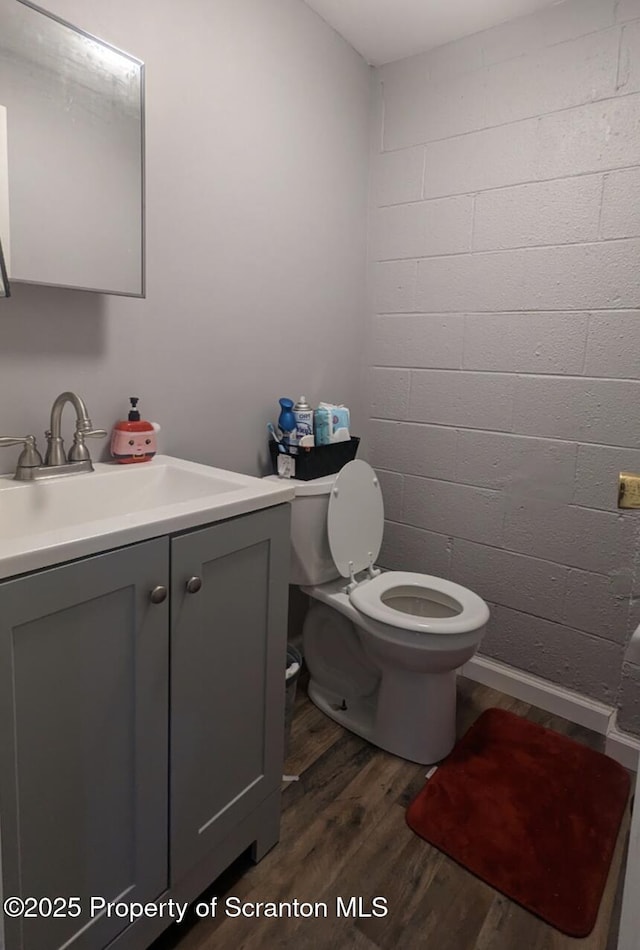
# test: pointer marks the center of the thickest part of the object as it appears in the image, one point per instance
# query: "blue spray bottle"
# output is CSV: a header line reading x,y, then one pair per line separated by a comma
x,y
287,423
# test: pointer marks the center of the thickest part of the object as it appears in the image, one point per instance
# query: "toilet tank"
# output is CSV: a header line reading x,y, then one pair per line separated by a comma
x,y
311,561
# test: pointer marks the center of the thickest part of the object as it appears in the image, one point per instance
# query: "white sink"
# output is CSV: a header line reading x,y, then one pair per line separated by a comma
x,y
52,520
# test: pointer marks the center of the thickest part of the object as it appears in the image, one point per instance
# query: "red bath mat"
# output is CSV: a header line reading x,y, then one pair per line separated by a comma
x,y
532,813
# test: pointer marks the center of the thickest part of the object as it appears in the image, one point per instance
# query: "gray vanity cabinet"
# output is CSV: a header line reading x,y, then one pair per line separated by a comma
x,y
83,740
227,681
108,663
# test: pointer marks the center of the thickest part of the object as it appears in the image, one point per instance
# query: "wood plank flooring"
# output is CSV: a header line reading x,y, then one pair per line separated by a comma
x,y
344,834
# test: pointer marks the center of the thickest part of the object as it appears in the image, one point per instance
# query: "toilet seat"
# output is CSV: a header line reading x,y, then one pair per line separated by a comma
x,y
374,598
400,599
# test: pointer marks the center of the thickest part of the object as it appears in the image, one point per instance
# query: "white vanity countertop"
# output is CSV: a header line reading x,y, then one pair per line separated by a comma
x,y
49,521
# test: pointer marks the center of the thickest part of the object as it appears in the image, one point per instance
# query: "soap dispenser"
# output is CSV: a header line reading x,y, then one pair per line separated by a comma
x,y
133,438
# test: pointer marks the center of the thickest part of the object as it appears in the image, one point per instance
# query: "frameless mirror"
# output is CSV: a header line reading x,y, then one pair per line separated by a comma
x,y
5,289
75,145
4,207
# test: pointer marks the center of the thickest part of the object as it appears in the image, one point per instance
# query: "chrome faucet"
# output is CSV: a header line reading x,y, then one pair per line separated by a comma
x,y
56,462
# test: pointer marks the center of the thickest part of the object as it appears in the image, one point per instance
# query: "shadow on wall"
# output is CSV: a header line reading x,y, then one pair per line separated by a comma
x,y
52,321
298,607
263,459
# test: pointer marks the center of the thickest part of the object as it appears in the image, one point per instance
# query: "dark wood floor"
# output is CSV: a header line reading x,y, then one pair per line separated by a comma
x,y
344,834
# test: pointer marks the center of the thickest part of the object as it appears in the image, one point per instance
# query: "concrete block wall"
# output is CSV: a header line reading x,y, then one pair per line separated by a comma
x,y
504,348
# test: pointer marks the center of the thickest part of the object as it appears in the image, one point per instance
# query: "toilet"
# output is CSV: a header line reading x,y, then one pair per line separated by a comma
x,y
382,647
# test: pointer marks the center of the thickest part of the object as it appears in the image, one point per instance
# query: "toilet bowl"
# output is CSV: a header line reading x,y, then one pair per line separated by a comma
x,y
382,648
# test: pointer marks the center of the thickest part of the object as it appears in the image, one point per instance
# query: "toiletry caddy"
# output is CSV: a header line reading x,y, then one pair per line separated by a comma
x,y
305,450
313,462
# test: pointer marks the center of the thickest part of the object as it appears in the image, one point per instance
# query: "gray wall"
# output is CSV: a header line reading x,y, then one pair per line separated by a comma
x,y
257,150
504,368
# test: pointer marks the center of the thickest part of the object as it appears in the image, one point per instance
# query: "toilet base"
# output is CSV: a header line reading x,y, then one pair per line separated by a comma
x,y
355,715
416,715
412,715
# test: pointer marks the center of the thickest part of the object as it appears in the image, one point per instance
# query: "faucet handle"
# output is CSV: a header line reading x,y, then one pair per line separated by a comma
x,y
17,440
78,451
84,425
29,457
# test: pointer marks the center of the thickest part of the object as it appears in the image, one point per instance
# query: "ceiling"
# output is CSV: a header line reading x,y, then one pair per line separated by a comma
x,y
385,30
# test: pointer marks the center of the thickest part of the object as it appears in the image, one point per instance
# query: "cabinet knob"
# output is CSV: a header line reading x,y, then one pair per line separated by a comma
x,y
158,594
194,584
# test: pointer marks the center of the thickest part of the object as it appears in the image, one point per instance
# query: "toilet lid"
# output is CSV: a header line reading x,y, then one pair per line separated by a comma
x,y
356,518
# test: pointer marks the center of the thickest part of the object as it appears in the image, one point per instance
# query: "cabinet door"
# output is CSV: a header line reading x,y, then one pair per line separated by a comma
x,y
228,658
83,741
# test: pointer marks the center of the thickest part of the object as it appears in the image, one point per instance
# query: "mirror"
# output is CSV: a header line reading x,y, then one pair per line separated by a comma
x,y
5,290
4,207
75,146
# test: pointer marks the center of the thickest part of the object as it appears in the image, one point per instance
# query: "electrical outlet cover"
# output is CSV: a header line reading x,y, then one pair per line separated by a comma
x,y
628,490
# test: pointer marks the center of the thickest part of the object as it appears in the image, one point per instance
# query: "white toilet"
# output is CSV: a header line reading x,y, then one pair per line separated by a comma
x,y
382,649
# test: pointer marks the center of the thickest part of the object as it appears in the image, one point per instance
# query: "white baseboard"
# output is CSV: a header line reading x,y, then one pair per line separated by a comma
x,y
532,689
575,707
622,747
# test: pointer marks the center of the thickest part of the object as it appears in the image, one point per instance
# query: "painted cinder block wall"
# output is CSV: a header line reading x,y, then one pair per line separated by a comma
x,y
504,350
